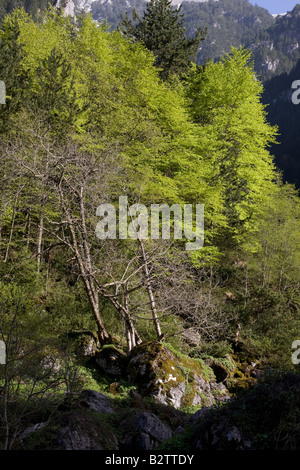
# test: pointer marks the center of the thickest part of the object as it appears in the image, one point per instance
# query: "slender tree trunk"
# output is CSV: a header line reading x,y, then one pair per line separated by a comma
x,y
132,337
39,242
12,223
150,292
84,263
28,227
11,228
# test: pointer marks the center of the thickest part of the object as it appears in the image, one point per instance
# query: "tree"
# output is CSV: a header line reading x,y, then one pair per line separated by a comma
x,y
234,136
161,30
31,374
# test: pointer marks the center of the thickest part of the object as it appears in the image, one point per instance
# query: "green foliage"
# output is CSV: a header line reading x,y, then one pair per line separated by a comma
x,y
89,119
32,7
233,137
162,31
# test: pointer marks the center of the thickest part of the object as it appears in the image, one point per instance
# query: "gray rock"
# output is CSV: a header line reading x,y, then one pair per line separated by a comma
x,y
31,429
111,361
95,401
84,342
80,432
171,379
146,432
68,6
223,435
200,414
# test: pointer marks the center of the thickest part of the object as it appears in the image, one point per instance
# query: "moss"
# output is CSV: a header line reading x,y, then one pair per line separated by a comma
x,y
43,439
161,370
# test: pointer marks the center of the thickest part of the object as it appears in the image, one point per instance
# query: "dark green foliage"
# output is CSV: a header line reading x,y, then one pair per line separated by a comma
x,y
15,78
30,6
54,100
162,31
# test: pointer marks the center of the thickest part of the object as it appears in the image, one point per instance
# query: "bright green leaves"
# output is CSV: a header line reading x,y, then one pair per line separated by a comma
x,y
224,100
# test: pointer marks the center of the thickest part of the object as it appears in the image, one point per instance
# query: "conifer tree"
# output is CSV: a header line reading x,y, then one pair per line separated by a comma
x,y
162,31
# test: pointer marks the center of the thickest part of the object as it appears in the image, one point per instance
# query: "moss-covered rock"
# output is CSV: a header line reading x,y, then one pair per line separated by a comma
x,y
245,373
84,343
172,378
111,361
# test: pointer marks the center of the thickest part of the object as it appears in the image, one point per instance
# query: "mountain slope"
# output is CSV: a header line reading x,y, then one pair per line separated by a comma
x,y
286,115
229,23
276,50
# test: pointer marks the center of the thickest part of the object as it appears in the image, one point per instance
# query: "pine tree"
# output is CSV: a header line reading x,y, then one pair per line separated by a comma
x,y
162,31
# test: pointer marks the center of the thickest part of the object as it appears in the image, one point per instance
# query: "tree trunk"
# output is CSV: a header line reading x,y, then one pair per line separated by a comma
x,y
150,292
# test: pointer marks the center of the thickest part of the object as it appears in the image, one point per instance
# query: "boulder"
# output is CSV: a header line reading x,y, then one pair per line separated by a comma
x,y
111,361
85,343
95,401
146,432
211,433
170,378
80,432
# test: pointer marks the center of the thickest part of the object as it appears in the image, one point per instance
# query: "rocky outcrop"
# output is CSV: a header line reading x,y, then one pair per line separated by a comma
x,y
210,433
85,343
94,421
80,432
146,432
95,401
173,380
68,6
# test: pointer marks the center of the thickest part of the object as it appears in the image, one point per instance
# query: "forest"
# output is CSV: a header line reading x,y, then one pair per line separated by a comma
x,y
92,115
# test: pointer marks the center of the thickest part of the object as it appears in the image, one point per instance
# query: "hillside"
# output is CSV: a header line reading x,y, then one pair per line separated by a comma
x,y
276,49
286,115
149,248
228,22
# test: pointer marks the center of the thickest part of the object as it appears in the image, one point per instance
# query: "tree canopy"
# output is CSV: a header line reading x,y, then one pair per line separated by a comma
x,y
87,120
162,31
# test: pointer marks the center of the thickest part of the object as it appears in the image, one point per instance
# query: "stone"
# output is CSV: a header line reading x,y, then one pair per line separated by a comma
x,y
95,401
84,342
111,361
169,378
210,434
80,432
31,429
147,432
